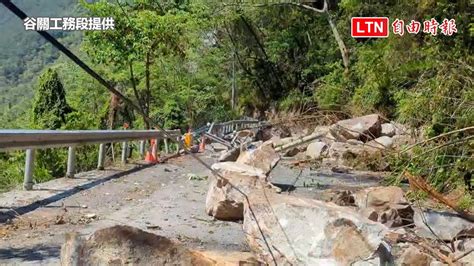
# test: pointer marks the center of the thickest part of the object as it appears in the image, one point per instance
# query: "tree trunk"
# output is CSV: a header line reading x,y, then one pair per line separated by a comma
x,y
141,104
340,43
147,101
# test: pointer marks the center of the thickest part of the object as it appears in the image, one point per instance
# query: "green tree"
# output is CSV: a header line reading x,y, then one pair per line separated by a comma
x,y
50,107
144,32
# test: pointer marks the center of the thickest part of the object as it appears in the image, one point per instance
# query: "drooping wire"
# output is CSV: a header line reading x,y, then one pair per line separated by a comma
x,y
20,14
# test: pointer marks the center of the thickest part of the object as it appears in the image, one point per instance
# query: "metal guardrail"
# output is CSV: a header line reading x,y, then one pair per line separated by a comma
x,y
30,140
227,127
222,129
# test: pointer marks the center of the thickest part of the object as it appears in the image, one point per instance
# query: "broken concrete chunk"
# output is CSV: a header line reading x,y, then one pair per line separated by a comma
x,y
125,245
224,201
301,231
316,150
363,128
263,157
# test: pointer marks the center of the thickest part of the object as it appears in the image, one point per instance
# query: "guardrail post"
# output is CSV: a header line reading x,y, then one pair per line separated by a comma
x,y
165,140
124,152
155,148
29,167
100,163
180,145
142,148
211,127
71,162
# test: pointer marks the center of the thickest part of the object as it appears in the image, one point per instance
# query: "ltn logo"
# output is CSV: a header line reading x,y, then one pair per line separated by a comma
x,y
369,27
378,27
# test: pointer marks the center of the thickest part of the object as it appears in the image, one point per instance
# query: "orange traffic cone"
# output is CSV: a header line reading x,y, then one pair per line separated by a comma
x,y
151,156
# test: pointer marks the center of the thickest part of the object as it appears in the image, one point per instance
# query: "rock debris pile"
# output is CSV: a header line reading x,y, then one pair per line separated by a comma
x,y
364,226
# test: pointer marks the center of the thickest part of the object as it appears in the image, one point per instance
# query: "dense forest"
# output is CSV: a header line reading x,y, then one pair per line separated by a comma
x,y
178,60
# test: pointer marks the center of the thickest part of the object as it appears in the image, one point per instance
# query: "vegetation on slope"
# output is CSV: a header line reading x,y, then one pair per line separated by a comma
x,y
179,59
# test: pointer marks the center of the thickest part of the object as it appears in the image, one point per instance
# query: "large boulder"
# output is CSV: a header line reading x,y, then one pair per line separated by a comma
x,y
224,201
363,128
386,205
442,225
316,150
263,157
125,245
301,231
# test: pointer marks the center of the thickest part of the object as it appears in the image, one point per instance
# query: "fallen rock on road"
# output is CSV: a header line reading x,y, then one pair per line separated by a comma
x,y
363,128
443,225
386,205
301,231
230,155
125,245
316,150
223,201
263,157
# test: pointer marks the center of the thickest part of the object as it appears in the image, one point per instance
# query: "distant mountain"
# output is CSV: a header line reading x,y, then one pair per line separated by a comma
x,y
24,54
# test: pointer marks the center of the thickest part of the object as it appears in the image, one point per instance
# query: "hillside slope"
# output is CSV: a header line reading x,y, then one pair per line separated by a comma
x,y
24,54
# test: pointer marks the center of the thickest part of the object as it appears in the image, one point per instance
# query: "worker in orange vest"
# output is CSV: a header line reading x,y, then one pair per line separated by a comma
x,y
188,139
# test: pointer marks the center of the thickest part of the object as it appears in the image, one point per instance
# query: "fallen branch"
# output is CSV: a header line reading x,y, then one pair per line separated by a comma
x,y
436,253
463,255
437,137
419,183
299,141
